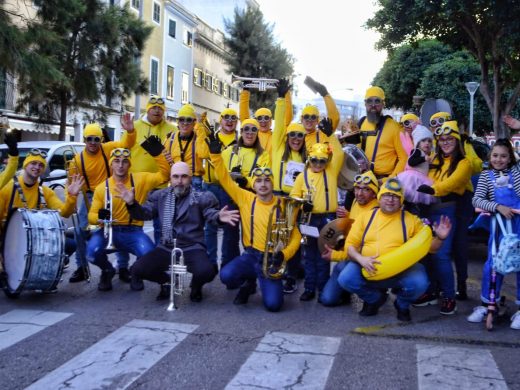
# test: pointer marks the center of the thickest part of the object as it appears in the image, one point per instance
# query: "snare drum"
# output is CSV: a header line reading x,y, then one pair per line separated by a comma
x,y
33,250
355,162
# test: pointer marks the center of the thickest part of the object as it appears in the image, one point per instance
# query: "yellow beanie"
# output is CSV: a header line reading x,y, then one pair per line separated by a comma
x,y
187,111
373,184
228,111
310,110
375,92
409,117
391,187
31,158
263,111
92,130
320,151
441,114
155,101
250,121
119,150
451,128
296,127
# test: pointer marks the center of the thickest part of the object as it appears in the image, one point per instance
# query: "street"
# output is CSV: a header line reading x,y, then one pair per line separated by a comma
x,y
85,339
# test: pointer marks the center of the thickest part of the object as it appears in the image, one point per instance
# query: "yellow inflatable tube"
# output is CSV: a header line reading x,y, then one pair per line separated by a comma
x,y
402,258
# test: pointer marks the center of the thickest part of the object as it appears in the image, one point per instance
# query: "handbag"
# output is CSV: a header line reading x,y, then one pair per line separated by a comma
x,y
507,259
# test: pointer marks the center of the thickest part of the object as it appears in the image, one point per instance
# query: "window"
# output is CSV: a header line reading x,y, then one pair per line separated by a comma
x,y
209,82
188,38
136,4
154,76
169,82
171,28
185,88
198,77
156,13
217,86
234,94
227,88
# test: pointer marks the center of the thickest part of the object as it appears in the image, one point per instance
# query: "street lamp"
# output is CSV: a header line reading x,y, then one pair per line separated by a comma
x,y
472,87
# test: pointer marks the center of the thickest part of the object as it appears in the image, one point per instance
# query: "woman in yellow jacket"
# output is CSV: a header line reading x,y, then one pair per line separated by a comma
x,y
451,173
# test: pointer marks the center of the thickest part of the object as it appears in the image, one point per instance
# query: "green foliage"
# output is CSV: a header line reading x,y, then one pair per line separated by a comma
x,y
253,52
90,52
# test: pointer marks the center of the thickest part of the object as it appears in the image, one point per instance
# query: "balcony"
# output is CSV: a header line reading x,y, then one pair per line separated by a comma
x,y
7,95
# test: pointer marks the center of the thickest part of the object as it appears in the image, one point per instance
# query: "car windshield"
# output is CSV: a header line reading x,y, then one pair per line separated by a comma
x,y
23,152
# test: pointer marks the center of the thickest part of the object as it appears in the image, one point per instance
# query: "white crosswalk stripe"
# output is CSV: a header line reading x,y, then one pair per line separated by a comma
x,y
120,358
17,325
456,368
290,361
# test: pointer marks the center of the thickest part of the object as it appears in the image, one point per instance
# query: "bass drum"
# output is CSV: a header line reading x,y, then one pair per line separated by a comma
x,y
354,163
34,245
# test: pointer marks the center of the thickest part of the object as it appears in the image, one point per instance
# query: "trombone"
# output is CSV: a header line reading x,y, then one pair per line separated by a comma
x,y
178,271
260,83
107,227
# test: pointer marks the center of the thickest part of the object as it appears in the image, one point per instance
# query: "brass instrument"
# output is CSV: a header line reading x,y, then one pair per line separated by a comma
x,y
262,84
107,228
305,218
178,271
278,235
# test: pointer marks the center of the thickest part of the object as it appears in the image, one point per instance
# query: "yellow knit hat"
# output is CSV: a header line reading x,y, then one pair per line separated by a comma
x,y
187,111
155,101
228,111
320,151
375,92
310,110
295,127
409,117
263,111
441,114
92,130
120,152
373,184
252,122
391,186
31,158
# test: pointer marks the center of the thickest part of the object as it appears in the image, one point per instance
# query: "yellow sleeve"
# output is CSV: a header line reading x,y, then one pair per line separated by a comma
x,y
9,171
5,196
243,105
298,190
457,182
402,157
98,202
164,170
471,155
337,156
279,135
54,202
288,108
294,243
264,160
332,111
127,141
225,180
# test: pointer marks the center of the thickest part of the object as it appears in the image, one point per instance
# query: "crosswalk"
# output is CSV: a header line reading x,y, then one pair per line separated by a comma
x,y
294,361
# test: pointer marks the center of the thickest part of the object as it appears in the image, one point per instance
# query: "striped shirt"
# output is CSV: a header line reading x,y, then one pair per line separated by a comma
x,y
484,197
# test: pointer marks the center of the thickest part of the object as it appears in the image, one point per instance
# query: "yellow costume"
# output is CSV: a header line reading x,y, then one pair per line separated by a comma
x,y
9,171
317,136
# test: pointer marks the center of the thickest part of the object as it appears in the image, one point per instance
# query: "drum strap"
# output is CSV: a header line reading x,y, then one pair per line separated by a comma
x,y
18,189
325,181
377,132
109,196
403,225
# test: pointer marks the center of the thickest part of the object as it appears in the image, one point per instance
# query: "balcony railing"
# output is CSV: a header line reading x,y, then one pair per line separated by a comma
x,y
7,100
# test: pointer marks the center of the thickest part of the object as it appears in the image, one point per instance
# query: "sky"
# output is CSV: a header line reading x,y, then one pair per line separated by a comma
x,y
329,43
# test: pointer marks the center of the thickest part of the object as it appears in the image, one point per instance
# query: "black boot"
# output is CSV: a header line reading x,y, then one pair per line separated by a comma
x,y
105,281
79,275
124,275
248,288
164,292
462,292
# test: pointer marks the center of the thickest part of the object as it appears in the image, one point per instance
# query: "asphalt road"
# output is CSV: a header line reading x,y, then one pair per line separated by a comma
x,y
86,339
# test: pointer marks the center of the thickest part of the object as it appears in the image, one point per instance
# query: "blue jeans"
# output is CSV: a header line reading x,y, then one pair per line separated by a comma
x,y
317,269
410,284
441,261
331,293
127,238
248,267
230,241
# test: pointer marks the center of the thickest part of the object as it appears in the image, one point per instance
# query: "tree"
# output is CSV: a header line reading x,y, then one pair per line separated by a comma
x,y
253,51
91,50
487,29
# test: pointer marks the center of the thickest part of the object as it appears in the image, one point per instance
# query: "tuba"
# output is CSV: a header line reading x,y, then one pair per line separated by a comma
x,y
178,271
262,84
278,234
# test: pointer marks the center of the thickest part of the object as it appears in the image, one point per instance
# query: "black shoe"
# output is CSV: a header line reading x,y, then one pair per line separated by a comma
x,y
136,284
448,306
289,286
124,275
3,279
79,275
196,294
164,292
105,281
462,292
66,262
372,309
244,292
308,295
426,299
402,314
345,298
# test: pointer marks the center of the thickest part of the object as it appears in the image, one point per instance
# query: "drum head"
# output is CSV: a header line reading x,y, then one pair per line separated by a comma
x,y
15,248
334,233
354,163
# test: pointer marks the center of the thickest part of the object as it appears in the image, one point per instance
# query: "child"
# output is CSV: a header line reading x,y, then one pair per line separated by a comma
x,y
498,190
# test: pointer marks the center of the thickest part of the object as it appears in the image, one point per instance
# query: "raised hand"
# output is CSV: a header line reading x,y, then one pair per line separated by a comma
x,y
442,229
10,141
511,122
215,146
75,185
283,87
325,125
426,189
127,194
153,145
127,122
230,217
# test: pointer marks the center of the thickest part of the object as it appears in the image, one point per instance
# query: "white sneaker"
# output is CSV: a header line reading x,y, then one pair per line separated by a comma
x,y
479,314
515,320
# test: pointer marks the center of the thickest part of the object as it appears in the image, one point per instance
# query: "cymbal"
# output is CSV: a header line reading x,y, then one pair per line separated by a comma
x,y
334,234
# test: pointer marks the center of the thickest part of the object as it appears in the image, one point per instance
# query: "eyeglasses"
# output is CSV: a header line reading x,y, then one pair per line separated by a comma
x,y
248,129
445,130
156,100
308,117
231,118
393,184
435,122
373,101
407,123
38,152
295,134
363,179
93,139
261,118
187,120
318,161
262,172
120,152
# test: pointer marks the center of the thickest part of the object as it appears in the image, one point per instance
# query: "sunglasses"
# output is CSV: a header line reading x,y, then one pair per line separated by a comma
x,y
187,120
262,172
373,101
120,152
38,152
263,118
438,121
248,129
93,139
393,184
318,161
362,179
295,134
228,117
156,100
308,117
444,130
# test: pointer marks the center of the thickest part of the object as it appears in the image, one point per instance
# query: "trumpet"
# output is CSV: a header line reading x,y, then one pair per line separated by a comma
x,y
178,271
305,218
107,228
260,83
278,234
